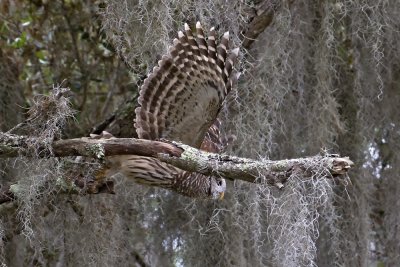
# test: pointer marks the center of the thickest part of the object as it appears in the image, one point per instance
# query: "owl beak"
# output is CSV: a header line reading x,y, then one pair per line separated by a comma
x,y
221,196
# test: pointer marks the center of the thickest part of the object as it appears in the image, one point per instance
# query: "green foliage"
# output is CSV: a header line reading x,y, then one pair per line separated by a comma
x,y
19,42
61,41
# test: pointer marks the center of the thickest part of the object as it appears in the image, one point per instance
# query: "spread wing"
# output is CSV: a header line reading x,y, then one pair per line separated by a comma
x,y
181,98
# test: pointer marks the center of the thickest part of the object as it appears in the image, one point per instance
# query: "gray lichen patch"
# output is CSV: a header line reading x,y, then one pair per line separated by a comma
x,y
66,185
96,150
16,190
281,165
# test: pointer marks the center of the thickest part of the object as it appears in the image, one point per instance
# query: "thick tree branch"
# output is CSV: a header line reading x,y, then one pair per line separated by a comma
x,y
14,145
180,155
185,157
249,170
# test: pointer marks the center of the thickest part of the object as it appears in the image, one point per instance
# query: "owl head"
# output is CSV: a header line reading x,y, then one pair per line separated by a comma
x,y
218,187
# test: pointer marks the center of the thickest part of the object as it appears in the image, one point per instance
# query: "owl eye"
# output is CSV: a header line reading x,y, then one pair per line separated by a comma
x,y
219,182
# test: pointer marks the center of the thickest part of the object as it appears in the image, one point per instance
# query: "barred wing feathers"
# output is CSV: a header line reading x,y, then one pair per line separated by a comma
x,y
180,101
181,98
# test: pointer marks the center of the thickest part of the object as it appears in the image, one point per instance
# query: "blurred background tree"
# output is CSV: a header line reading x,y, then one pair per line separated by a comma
x,y
323,74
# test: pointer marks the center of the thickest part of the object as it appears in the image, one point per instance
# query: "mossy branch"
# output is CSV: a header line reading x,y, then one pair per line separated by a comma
x,y
182,156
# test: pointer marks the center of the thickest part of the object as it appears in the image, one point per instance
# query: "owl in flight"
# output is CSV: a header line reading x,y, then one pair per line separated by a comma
x,y
180,101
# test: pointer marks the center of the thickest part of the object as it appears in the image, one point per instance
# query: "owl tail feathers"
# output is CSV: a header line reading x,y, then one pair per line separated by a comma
x,y
152,172
144,170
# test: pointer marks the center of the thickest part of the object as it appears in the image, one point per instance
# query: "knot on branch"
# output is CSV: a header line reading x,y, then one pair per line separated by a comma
x,y
340,166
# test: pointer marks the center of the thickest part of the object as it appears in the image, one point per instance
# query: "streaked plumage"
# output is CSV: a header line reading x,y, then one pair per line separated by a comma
x,y
180,101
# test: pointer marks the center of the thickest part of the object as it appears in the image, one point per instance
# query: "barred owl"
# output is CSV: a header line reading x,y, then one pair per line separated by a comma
x,y
180,101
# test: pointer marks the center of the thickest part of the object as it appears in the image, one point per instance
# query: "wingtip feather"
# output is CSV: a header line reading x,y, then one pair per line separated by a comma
x,y
187,28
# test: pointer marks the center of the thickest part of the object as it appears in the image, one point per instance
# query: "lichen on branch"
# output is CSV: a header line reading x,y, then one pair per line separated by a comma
x,y
188,158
